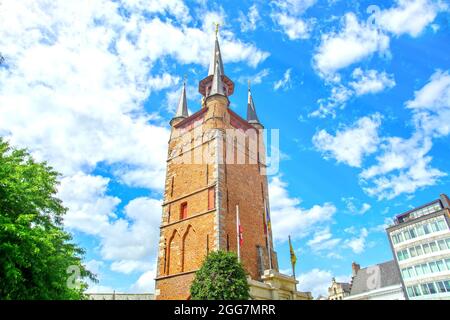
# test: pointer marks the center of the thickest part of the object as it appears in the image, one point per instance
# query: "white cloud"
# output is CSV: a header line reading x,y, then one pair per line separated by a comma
x,y
176,8
409,16
358,244
353,43
145,283
408,158
352,207
288,15
163,81
256,78
90,208
323,240
131,241
365,82
285,82
295,6
370,81
160,39
382,227
248,21
295,28
129,266
431,105
403,165
338,99
288,218
317,281
351,144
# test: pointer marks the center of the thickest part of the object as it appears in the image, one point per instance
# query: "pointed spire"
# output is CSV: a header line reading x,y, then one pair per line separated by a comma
x,y
216,56
251,110
182,110
217,83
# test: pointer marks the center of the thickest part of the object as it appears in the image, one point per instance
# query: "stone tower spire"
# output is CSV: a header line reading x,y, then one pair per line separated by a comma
x,y
217,86
182,110
216,58
252,117
216,83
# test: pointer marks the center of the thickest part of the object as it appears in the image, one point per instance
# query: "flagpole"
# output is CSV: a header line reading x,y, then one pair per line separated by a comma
x,y
268,235
238,237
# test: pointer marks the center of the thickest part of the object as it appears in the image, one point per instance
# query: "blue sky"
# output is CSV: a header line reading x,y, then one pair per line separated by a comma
x,y
360,91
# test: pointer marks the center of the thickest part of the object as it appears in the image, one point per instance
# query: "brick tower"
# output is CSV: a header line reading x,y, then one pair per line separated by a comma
x,y
215,166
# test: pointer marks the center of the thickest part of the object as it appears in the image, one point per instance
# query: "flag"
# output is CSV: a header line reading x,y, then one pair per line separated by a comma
x,y
267,232
241,234
293,257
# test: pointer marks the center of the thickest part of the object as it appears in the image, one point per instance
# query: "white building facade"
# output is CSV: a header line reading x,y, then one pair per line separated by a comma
x,y
420,241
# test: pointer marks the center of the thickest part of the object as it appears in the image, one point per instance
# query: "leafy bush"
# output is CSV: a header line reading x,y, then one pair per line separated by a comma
x,y
221,277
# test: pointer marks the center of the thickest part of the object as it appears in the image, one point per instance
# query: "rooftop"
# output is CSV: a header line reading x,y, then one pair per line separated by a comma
x,y
428,208
367,279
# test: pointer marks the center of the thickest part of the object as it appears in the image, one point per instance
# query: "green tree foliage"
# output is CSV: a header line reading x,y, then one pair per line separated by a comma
x,y
37,257
221,277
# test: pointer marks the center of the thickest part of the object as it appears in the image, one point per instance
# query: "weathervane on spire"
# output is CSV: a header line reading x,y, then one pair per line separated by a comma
x,y
184,78
217,28
248,81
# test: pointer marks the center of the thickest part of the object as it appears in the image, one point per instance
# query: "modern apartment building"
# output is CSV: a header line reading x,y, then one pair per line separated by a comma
x,y
420,241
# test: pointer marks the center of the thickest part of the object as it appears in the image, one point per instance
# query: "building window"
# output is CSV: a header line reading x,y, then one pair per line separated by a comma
x,y
418,269
412,252
183,211
441,287
416,290
211,198
425,289
410,291
419,250
420,231
425,268
440,265
434,267
407,235
433,246
447,285
394,238
432,288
